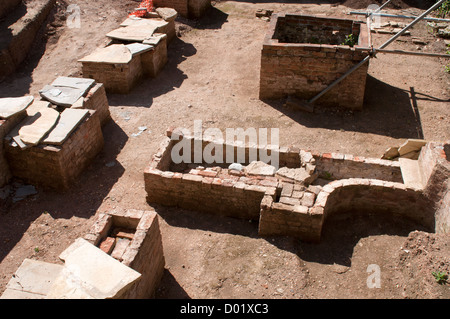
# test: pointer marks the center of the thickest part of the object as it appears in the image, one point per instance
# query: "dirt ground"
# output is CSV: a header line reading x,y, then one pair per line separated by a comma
x,y
213,75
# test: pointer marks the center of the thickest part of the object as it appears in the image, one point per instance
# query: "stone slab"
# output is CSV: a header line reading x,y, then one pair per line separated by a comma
x,y
66,91
67,123
113,54
411,173
155,39
32,280
38,125
168,14
91,273
13,105
139,48
260,168
135,21
134,32
411,145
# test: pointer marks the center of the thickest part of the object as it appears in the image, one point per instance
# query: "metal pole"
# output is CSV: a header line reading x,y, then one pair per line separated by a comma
x,y
397,16
436,55
381,8
367,58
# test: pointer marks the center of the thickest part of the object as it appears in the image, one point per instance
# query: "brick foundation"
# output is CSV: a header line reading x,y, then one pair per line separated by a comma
x,y
294,207
97,100
302,55
57,166
142,248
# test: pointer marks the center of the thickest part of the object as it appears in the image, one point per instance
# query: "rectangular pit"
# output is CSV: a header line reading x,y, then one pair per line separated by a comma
x,y
302,55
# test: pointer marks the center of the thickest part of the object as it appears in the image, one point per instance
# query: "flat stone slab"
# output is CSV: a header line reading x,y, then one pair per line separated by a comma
x,y
136,21
38,125
91,273
115,53
13,105
139,48
168,14
66,91
32,280
67,123
411,173
301,174
134,32
260,168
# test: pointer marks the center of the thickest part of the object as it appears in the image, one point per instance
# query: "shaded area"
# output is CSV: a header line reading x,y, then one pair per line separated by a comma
x,y
169,288
82,200
387,110
341,232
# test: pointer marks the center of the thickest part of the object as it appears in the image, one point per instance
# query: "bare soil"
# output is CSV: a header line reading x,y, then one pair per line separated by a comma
x,y
212,75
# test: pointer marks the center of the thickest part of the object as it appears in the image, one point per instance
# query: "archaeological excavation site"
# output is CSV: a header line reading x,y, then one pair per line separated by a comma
x,y
201,149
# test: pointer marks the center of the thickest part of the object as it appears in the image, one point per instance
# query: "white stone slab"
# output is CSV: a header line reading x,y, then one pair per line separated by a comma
x,y
32,280
115,53
260,168
13,105
134,32
136,21
91,273
66,91
139,48
411,173
38,125
168,14
67,123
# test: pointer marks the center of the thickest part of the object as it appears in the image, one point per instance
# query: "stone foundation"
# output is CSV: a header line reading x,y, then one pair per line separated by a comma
x,y
302,55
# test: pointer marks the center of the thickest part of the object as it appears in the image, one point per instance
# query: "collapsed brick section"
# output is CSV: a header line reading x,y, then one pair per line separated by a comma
x,y
133,238
307,187
57,166
302,55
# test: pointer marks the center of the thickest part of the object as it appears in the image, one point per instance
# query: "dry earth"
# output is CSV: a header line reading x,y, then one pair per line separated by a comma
x,y
212,75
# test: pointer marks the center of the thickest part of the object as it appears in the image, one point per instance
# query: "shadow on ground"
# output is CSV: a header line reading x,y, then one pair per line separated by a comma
x,y
387,111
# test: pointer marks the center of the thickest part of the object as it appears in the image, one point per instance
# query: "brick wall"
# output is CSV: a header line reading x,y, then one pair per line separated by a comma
x,y
186,8
57,166
154,61
197,8
116,78
304,70
181,6
144,252
97,100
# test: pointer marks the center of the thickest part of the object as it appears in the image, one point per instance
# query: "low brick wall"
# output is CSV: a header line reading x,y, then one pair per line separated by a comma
x,y
143,251
285,206
335,166
57,166
304,69
154,61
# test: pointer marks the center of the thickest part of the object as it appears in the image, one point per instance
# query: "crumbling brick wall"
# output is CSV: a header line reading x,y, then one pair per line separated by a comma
x,y
304,69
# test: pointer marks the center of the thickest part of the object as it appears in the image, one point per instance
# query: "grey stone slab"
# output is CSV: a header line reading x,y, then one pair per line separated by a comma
x,y
64,96
260,168
77,83
135,21
155,39
113,54
32,280
67,123
139,48
168,14
411,173
38,126
91,273
13,105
